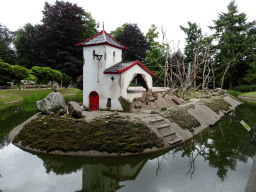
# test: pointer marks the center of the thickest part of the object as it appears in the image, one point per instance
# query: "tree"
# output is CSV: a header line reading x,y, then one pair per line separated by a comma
x,y
89,27
155,54
43,74
6,72
193,32
23,41
133,38
64,25
233,44
19,73
6,52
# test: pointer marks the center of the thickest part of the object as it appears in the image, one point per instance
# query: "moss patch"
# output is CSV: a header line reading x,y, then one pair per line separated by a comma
x,y
181,116
217,104
110,135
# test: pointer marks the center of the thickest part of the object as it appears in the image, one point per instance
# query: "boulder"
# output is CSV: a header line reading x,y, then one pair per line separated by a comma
x,y
53,102
74,109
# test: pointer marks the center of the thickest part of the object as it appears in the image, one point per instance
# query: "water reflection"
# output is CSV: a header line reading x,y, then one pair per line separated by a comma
x,y
213,161
224,144
98,174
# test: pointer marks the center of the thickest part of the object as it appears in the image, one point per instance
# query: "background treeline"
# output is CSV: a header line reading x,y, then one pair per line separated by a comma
x,y
52,44
41,75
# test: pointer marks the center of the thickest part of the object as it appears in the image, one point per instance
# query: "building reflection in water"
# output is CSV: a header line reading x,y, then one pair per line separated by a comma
x,y
98,177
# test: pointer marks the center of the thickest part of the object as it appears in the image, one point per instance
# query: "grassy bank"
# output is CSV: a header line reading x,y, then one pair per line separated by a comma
x,y
249,94
12,95
66,134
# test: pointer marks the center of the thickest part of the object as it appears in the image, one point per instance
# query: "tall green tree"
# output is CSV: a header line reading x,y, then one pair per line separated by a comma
x,y
193,32
233,44
6,52
133,38
155,53
24,45
64,25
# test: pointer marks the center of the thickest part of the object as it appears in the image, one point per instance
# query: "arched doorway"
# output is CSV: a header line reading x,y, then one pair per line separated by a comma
x,y
94,101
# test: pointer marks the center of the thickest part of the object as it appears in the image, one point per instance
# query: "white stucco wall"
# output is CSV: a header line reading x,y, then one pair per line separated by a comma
x,y
106,88
127,77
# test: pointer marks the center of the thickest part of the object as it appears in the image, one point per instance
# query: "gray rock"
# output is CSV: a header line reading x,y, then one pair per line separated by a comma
x,y
55,87
215,93
154,112
74,109
53,102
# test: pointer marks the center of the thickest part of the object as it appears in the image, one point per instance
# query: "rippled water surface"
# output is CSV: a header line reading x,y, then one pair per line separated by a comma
x,y
219,159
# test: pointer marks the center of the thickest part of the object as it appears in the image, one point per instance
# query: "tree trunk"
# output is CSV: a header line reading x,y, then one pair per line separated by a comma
x,y
230,83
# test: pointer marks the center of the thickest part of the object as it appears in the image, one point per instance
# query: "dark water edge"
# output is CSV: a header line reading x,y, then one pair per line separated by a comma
x,y
218,159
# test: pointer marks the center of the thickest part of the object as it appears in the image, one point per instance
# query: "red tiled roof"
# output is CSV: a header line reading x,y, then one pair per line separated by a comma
x,y
124,66
102,38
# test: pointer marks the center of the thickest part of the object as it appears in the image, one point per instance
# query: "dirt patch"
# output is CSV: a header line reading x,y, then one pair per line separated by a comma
x,y
103,134
181,116
217,104
161,100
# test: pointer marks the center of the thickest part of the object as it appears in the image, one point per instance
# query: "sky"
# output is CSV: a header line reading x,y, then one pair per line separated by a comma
x,y
14,14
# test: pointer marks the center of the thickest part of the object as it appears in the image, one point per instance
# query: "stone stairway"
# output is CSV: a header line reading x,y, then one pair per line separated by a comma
x,y
163,129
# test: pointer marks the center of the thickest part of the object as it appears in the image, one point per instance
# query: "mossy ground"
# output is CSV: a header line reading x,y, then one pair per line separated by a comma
x,y
66,134
181,116
217,104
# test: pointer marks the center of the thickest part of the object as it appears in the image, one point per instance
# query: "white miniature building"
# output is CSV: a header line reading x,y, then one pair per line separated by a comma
x,y
106,77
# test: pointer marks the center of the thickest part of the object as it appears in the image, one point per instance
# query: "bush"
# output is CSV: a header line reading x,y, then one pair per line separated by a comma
x,y
245,88
234,93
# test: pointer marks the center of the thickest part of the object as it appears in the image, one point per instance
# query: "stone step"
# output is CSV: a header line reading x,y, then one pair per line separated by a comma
x,y
157,122
164,126
165,130
175,141
171,135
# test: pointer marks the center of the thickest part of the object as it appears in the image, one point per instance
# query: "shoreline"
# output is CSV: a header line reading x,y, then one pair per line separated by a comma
x,y
173,135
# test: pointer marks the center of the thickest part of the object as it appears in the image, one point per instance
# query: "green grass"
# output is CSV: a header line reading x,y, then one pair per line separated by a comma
x,y
11,95
249,94
234,93
78,97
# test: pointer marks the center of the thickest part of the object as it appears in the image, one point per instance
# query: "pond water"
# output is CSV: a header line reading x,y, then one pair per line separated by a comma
x,y
219,159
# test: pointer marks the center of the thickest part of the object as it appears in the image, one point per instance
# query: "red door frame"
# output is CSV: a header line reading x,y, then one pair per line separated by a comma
x,y
94,101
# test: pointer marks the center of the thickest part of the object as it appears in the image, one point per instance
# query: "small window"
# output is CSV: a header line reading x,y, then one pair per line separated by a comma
x,y
109,102
114,54
105,55
93,53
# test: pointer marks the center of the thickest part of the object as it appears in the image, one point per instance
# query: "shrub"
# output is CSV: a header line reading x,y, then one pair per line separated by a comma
x,y
245,88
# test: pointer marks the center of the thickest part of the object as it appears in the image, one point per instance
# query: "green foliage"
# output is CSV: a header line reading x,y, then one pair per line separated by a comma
x,y
66,80
233,45
234,93
46,74
245,88
19,73
23,41
6,52
119,30
6,72
193,32
89,26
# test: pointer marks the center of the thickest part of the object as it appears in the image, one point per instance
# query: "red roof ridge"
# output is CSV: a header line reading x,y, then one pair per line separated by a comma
x,y
104,35
130,66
